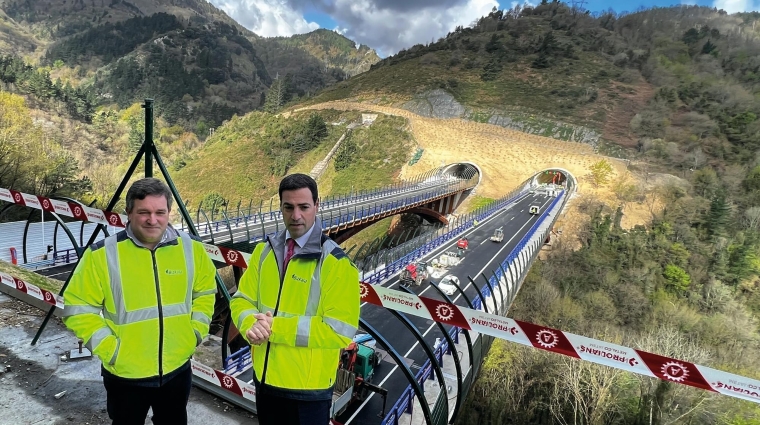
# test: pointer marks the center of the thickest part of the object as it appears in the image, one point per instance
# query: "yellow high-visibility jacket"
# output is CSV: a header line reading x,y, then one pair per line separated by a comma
x,y
316,313
156,305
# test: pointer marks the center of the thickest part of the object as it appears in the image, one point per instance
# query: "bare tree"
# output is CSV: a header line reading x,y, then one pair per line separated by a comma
x,y
652,199
664,402
696,158
590,389
751,219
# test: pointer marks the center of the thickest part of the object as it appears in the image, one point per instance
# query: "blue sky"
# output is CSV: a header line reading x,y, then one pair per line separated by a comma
x,y
391,25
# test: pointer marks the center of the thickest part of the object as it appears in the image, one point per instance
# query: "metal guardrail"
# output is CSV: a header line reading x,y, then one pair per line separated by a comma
x,y
240,361
394,259
406,400
256,215
273,213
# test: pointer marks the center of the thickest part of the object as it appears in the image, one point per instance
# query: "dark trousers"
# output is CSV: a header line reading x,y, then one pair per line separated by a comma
x,y
272,410
128,404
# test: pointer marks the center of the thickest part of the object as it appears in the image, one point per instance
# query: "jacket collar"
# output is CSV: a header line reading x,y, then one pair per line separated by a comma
x,y
312,247
169,237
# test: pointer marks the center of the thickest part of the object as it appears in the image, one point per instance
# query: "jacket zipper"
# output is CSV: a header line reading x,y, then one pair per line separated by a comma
x,y
160,321
276,308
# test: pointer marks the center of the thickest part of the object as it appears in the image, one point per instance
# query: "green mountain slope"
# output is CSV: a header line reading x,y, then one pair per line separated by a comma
x,y
53,19
684,77
199,65
246,158
333,50
13,38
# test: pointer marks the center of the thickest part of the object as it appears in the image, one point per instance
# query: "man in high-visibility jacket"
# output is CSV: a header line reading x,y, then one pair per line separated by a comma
x,y
298,305
142,301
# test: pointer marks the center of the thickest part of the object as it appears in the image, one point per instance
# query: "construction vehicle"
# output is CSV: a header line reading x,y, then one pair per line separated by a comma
x,y
534,209
414,274
462,246
354,379
498,235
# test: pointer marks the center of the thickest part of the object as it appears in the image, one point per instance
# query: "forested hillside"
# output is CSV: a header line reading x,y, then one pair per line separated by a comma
x,y
679,81
675,90
83,68
199,65
329,47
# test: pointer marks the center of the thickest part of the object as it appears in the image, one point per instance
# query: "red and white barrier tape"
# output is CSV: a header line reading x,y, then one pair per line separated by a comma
x,y
221,379
524,333
34,291
560,342
68,209
94,215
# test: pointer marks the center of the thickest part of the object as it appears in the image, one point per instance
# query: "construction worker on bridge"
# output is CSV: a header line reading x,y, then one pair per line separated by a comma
x,y
298,305
155,289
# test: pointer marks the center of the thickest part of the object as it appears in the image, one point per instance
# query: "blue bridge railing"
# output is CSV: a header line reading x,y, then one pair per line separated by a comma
x,y
406,401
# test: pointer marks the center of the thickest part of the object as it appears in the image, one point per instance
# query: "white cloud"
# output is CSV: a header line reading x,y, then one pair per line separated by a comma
x,y
386,25
388,30
268,18
734,6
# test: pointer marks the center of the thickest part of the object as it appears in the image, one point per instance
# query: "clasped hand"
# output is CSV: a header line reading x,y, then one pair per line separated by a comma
x,y
261,328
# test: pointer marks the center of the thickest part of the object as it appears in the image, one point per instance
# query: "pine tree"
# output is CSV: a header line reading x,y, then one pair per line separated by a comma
x,y
718,216
277,95
708,48
316,130
345,155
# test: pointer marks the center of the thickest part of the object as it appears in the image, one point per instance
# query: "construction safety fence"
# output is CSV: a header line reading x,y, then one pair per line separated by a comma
x,y
55,300
494,325
568,344
233,257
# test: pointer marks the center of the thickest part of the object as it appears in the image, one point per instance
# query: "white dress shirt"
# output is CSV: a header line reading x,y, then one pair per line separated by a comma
x,y
300,242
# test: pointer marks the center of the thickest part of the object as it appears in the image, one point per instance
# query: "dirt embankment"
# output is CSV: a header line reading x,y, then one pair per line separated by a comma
x,y
506,157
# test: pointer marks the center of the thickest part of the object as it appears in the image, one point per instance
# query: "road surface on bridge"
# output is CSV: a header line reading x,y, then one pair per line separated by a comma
x,y
483,256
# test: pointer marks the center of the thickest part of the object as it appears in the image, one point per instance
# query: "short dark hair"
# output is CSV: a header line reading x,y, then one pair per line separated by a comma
x,y
147,187
299,181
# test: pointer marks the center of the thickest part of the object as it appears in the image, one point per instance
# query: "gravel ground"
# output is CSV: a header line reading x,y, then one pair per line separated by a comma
x,y
32,376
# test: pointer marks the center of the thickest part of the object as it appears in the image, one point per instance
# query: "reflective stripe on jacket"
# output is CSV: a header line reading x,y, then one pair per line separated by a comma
x,y
317,314
156,305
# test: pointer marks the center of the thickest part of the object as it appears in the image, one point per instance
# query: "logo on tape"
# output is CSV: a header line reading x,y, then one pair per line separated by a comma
x,y
444,312
48,296
19,284
547,338
675,371
232,256
227,382
17,197
46,203
113,219
77,211
363,290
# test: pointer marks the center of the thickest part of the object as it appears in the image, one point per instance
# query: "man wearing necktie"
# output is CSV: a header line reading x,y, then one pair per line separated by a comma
x,y
298,305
